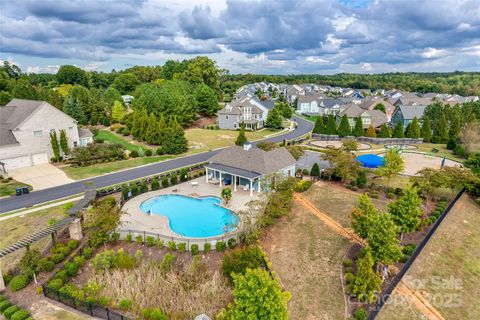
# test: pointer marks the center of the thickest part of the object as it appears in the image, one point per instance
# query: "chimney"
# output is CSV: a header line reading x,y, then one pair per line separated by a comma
x,y
247,146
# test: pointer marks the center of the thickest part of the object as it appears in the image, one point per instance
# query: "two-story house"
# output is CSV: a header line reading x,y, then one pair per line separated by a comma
x,y
248,111
25,127
406,114
375,118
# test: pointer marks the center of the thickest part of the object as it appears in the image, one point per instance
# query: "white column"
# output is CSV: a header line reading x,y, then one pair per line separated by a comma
x,y
75,230
220,178
2,283
251,187
259,185
206,175
234,183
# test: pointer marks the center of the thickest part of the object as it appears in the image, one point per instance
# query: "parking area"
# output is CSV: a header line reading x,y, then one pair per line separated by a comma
x,y
41,176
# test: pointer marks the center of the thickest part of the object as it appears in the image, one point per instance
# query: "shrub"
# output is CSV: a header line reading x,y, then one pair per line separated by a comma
x,y
373,194
232,243
360,314
183,175
62,275
160,151
361,179
153,314
408,249
143,187
4,305
134,154
71,268
302,185
150,241
305,172
194,249
148,152
45,265
128,238
155,185
241,259
104,260
174,179
125,304
348,270
172,246
167,261
2,298
459,151
105,121
220,246
347,263
8,313
165,182
19,282
79,260
182,247
390,195
87,252
126,132
207,247
62,249
349,277
20,315
398,191
139,239
99,140
72,244
55,283
159,243
115,236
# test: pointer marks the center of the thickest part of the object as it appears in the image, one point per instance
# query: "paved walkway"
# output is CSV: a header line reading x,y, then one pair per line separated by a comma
x,y
41,176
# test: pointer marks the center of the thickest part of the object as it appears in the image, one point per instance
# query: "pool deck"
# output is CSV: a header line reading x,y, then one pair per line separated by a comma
x,y
136,219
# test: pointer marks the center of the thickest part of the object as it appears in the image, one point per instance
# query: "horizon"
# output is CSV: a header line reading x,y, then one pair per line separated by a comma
x,y
324,37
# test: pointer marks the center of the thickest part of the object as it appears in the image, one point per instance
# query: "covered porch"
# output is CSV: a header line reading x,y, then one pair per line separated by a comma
x,y
229,176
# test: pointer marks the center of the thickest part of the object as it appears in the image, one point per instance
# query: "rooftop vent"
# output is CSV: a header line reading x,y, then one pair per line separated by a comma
x,y
247,146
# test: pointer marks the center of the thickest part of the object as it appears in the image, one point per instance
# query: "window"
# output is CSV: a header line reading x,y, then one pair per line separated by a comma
x,y
38,133
70,128
226,117
74,143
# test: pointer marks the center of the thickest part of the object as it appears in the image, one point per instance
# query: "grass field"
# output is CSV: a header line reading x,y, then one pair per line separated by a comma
x,y
307,256
7,189
114,138
451,257
17,228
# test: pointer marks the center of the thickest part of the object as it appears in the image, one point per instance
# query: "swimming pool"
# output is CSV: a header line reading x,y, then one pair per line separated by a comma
x,y
371,160
192,217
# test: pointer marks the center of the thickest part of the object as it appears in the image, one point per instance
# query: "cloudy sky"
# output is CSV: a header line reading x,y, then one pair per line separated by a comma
x,y
263,36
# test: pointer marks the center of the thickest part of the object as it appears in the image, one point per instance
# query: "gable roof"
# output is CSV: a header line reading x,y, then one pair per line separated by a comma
x,y
235,107
410,112
254,160
354,111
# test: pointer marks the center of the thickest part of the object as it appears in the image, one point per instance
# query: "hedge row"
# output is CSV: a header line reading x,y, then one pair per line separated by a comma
x,y
11,311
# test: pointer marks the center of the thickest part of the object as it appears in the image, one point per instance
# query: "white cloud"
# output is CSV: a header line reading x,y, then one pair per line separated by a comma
x,y
367,66
44,69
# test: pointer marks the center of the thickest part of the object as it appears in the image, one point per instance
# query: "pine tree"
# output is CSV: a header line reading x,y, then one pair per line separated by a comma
x,y
455,127
441,135
366,282
315,171
426,130
151,134
174,141
413,129
161,129
274,119
331,125
64,142
344,128
371,132
136,125
118,112
55,145
143,124
241,138
74,108
384,131
358,130
398,131
382,239
319,125
406,211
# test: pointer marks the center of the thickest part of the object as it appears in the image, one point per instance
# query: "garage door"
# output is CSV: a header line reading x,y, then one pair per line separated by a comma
x,y
40,158
18,162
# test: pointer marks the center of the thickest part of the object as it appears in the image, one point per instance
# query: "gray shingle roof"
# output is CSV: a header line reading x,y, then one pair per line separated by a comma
x,y
254,160
84,133
354,111
410,112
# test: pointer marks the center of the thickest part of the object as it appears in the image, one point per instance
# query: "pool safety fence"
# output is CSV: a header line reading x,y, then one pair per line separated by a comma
x,y
381,141
188,241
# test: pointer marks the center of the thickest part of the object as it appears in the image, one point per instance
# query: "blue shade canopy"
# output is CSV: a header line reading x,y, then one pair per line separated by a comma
x,y
371,160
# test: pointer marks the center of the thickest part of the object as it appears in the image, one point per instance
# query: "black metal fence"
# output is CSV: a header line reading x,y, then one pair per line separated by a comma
x,y
393,141
386,295
89,308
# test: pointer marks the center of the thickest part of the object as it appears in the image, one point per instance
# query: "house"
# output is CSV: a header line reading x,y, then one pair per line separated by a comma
x,y
333,106
406,114
249,168
293,92
375,118
25,127
249,111
412,99
309,104
370,103
127,99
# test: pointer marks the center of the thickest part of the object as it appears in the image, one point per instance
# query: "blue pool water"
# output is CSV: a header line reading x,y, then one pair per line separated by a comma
x,y
371,160
192,217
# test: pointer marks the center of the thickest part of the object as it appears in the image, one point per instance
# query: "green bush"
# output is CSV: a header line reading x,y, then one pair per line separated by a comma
x,y
347,263
134,190
220,246
148,152
128,238
174,179
87,252
348,269
172,246
160,151
139,239
8,313
167,261
72,244
349,277
182,247
55,283
155,184
45,265
194,249
150,241
79,260
125,304
183,175
302,185
134,154
361,179
159,243
143,187
373,194
390,195
241,259
115,236
207,247
61,274
153,314
57,257
232,243
71,268
19,282
61,249
2,298
20,315
408,249
4,305
165,182
360,314
399,191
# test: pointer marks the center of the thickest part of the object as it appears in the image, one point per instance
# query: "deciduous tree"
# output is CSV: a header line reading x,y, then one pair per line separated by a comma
x,y
393,165
55,145
382,239
118,112
406,211
362,215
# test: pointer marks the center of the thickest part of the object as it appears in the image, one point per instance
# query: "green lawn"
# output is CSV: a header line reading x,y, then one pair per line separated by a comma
x,y
77,173
7,189
113,138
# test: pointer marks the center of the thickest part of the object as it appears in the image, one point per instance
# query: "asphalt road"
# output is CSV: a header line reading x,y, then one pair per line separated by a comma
x,y
50,194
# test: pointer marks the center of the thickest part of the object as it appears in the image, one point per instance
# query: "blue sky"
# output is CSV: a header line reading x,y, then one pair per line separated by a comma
x,y
262,36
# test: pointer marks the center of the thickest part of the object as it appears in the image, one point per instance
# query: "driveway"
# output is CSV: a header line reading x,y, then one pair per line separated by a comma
x,y
41,176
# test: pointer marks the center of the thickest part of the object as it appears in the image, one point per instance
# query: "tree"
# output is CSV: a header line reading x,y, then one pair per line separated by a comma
x,y
118,112
319,125
64,142
24,90
331,125
358,130
344,127
382,239
241,138
455,127
103,219
398,131
315,171
55,145
226,195
406,211
473,162
126,83
207,100
413,130
366,282
349,145
202,70
343,164
74,108
68,74
284,109
371,132
274,119
441,135
426,130
362,215
384,131
257,296
152,134
470,137
393,165
380,106
174,141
